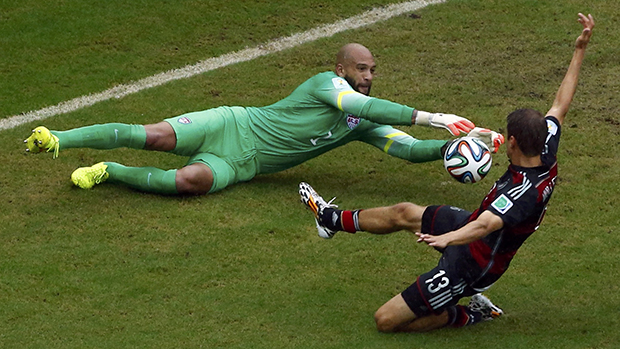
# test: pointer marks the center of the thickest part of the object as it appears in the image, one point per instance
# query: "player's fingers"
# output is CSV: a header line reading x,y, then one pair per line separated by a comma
x,y
500,139
465,126
582,18
468,124
453,129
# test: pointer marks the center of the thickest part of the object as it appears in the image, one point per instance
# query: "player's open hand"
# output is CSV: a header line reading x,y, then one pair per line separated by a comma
x,y
492,139
588,25
432,240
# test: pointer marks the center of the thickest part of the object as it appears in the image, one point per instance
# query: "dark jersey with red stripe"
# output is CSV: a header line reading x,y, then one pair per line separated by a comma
x,y
520,199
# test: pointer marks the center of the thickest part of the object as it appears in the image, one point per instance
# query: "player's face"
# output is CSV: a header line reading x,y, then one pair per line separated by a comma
x,y
359,70
360,77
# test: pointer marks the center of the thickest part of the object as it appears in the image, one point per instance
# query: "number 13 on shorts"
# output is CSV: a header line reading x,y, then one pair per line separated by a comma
x,y
438,282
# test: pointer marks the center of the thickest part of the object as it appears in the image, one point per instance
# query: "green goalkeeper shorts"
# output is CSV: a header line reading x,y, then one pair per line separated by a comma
x,y
220,138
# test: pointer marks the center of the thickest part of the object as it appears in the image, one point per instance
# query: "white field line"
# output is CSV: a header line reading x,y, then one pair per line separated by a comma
x,y
277,45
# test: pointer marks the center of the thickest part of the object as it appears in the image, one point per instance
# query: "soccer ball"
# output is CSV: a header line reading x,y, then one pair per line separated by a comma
x,y
467,159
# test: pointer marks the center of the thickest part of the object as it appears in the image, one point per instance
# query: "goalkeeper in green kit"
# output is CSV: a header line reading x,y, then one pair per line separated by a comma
x,y
226,145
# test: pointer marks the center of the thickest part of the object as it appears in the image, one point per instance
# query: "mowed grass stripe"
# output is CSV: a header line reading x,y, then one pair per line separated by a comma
x,y
277,45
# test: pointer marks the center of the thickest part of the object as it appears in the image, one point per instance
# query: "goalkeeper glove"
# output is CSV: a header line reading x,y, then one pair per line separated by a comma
x,y
491,138
453,123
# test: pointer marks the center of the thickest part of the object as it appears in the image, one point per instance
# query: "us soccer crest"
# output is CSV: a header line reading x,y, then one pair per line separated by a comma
x,y
352,121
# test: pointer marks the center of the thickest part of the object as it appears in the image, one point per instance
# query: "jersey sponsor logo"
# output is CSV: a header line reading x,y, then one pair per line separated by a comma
x,y
502,204
185,120
340,83
352,121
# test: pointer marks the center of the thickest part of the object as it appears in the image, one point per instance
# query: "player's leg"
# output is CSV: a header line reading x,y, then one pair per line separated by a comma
x,y
147,179
380,220
396,316
101,136
204,173
432,302
193,179
160,136
389,219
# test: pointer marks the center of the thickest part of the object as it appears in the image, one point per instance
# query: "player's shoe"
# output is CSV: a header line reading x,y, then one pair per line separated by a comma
x,y
42,140
87,177
315,202
482,304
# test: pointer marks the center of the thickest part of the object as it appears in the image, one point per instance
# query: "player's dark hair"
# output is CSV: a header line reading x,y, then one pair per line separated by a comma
x,y
529,128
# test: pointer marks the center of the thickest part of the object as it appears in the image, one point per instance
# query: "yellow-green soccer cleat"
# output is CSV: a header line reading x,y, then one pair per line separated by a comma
x,y
87,177
42,140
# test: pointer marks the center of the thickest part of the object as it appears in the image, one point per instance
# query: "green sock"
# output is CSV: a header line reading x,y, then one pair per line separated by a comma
x,y
147,179
104,136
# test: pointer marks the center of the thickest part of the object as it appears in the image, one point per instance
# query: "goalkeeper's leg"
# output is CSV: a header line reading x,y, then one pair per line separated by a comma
x,y
193,179
158,136
103,136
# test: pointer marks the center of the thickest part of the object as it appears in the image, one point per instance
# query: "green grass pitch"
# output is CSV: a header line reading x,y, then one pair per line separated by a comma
x,y
116,268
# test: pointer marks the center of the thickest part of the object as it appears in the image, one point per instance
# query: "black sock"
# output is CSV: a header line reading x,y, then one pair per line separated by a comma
x,y
340,220
460,316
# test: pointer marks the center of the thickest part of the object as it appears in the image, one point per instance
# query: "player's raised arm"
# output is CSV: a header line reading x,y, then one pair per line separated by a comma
x,y
567,89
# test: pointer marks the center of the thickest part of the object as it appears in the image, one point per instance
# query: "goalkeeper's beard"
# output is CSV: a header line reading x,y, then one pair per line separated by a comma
x,y
356,86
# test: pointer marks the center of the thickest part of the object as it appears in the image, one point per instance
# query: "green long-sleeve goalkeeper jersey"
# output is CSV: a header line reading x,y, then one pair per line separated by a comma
x,y
325,112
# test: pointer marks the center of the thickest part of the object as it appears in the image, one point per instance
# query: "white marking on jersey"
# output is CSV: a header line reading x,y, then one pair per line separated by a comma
x,y
315,140
518,191
340,84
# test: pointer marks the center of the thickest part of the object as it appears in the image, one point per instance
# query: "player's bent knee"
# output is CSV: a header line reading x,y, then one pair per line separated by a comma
x,y
384,321
195,179
407,215
160,136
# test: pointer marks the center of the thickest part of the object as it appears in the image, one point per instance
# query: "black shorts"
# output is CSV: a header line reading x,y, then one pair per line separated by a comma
x,y
438,220
441,287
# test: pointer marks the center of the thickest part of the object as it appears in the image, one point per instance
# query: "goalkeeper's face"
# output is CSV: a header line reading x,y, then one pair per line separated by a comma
x,y
360,78
357,66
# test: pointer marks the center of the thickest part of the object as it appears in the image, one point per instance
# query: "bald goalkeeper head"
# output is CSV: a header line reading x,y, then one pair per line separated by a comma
x,y
355,63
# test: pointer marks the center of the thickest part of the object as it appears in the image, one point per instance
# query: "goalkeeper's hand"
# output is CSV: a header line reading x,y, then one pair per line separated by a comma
x,y
491,138
453,123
